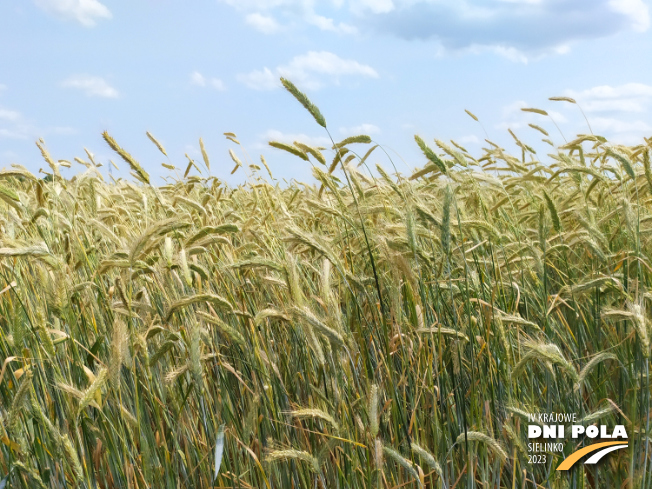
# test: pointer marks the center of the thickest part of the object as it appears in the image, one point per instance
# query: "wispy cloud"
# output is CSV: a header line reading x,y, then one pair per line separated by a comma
x,y
218,84
516,29
367,129
312,71
62,130
263,79
199,80
630,97
2,87
258,14
13,125
635,10
514,118
9,115
611,112
12,134
373,6
92,86
329,24
531,27
9,154
511,53
289,138
620,131
468,139
607,124
86,12
263,23
617,112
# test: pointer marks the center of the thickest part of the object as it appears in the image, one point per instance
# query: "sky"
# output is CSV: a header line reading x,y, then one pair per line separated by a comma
x,y
71,69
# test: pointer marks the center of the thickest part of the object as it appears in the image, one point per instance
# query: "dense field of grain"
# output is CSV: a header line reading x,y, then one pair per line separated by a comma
x,y
364,330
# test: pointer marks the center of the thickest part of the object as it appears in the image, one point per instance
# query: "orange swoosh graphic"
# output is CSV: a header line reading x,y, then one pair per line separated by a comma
x,y
575,456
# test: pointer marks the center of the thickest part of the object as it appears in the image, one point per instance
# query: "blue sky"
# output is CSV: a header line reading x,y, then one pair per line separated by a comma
x,y
70,69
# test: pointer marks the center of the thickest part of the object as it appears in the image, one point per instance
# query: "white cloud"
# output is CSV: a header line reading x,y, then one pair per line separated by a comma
x,y
258,14
532,27
192,150
515,118
260,79
621,132
289,138
17,126
374,6
14,125
610,110
86,12
268,4
325,63
516,29
636,10
361,129
263,23
2,87
9,155
62,130
311,71
610,125
92,86
630,97
510,53
196,78
328,24
9,115
218,84
12,134
470,139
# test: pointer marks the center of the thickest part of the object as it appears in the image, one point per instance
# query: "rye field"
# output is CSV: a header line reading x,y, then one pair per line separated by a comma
x,y
366,329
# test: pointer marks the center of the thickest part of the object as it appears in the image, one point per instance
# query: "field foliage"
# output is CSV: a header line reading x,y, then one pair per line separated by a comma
x,y
364,330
